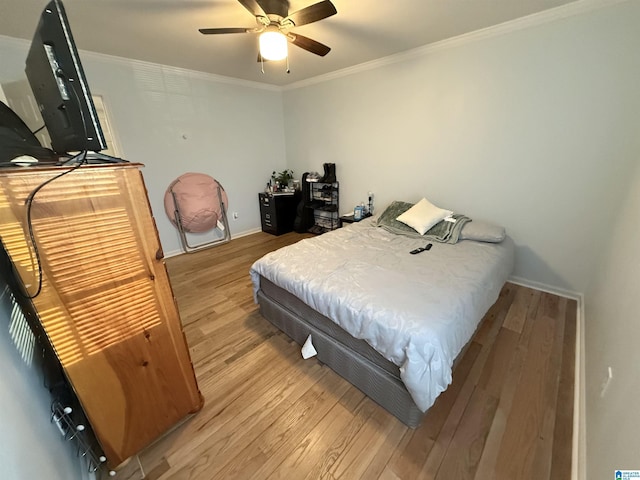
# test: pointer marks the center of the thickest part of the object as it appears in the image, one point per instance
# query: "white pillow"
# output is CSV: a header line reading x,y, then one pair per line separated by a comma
x,y
423,215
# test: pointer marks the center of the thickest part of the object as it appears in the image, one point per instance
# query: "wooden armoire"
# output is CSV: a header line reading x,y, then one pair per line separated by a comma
x,y
105,303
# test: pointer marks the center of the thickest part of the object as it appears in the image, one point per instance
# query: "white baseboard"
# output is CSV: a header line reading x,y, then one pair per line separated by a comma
x,y
543,287
579,470
174,253
248,232
578,456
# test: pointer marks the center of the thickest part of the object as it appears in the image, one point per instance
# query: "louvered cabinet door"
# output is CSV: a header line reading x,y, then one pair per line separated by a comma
x,y
106,302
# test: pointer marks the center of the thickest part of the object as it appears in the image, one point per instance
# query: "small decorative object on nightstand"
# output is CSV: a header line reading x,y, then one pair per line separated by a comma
x,y
282,181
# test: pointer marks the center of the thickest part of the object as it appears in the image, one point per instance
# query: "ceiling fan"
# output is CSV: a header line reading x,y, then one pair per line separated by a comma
x,y
275,24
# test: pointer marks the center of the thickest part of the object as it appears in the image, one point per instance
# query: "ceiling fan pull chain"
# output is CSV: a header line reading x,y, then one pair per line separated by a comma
x,y
288,69
262,64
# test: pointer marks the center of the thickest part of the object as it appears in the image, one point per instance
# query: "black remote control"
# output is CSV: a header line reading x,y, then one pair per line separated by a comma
x,y
421,249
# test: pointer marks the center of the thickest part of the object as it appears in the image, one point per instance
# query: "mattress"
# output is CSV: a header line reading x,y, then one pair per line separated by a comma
x,y
325,325
351,358
416,311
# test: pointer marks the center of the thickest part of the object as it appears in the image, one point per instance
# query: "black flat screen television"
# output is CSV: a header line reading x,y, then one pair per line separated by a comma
x,y
59,85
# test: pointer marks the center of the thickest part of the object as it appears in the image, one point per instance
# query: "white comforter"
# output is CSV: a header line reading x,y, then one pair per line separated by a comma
x,y
418,311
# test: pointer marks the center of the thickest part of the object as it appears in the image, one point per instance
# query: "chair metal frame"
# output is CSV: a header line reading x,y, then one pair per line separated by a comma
x,y
183,232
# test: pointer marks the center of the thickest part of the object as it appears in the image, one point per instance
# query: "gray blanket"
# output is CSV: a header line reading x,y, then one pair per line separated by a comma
x,y
444,231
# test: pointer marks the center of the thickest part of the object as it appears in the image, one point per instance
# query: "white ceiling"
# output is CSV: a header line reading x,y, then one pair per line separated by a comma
x,y
166,32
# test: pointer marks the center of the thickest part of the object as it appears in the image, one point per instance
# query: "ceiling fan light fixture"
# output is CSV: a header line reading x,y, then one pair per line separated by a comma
x,y
273,45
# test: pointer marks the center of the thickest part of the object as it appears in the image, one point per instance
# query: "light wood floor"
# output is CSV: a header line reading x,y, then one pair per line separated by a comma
x,y
270,414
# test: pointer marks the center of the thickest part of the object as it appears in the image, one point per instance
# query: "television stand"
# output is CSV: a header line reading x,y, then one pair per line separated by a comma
x,y
92,158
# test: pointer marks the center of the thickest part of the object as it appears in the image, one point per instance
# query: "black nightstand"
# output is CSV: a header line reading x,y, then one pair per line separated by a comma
x,y
278,212
350,219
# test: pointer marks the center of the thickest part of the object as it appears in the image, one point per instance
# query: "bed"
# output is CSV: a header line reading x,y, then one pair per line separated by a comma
x,y
390,322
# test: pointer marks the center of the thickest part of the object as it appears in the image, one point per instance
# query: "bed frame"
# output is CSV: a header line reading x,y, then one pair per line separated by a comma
x,y
353,359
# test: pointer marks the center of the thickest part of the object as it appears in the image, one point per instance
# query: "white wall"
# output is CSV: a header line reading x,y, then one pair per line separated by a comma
x,y
612,338
176,121
30,446
530,129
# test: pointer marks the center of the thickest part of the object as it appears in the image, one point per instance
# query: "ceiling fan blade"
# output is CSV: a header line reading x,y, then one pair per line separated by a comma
x,y
308,44
275,7
312,13
215,31
254,7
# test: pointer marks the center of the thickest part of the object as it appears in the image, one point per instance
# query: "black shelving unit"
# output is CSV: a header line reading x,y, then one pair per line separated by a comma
x,y
323,200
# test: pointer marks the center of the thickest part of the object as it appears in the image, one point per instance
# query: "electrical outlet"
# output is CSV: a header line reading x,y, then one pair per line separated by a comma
x,y
235,215
606,382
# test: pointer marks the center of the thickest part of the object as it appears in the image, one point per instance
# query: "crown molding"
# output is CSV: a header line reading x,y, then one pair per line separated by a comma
x,y
17,42
546,16
179,71
133,63
578,7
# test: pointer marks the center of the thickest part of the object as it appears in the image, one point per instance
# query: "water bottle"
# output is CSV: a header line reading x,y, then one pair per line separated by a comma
x,y
357,213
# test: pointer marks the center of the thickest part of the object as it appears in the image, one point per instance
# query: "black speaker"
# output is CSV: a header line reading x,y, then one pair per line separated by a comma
x,y
304,215
9,119
16,139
